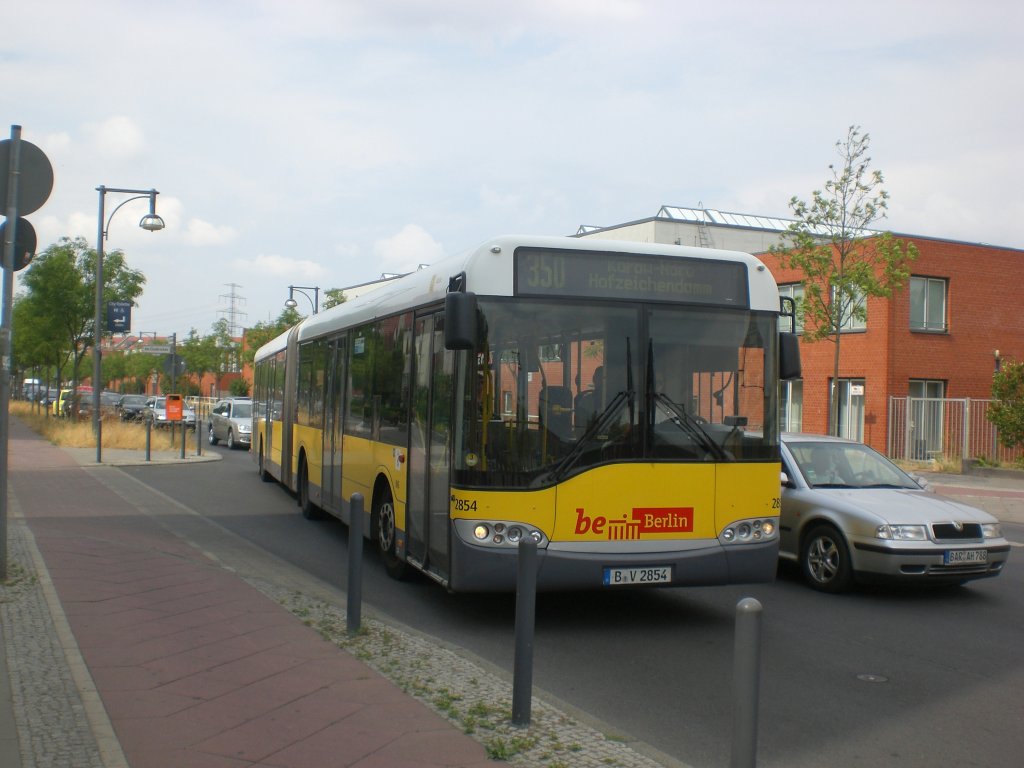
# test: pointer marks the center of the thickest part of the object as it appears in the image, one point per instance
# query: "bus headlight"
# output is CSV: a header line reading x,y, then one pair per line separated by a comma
x,y
498,533
755,531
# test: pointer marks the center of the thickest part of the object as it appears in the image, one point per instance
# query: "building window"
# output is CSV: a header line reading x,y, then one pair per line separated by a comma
x,y
794,291
928,304
851,409
792,405
854,309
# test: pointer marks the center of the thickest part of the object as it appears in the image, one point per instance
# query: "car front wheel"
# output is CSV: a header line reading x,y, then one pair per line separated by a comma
x,y
825,559
210,436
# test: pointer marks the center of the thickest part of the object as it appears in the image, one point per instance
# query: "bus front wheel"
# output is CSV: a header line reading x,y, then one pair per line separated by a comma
x,y
309,509
265,476
383,519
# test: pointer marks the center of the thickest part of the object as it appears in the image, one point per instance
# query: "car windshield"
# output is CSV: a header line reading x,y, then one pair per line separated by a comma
x,y
847,465
241,411
133,400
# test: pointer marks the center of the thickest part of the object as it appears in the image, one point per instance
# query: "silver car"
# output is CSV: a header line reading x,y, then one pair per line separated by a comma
x,y
231,421
849,514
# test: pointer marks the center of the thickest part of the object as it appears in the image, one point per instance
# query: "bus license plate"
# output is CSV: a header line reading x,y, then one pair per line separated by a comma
x,y
966,556
654,574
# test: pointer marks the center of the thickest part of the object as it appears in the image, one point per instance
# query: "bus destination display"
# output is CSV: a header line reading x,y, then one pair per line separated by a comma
x,y
633,277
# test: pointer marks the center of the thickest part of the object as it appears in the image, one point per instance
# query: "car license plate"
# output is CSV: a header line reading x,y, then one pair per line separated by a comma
x,y
654,574
966,556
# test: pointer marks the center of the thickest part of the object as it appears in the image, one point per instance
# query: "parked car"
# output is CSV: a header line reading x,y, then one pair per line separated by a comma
x,y
130,407
231,421
155,412
108,403
849,514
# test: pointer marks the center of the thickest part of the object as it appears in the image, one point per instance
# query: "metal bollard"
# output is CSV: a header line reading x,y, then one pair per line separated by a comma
x,y
526,611
199,433
355,564
184,427
149,438
746,683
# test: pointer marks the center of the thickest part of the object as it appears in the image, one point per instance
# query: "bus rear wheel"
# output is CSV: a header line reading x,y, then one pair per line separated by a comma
x,y
383,519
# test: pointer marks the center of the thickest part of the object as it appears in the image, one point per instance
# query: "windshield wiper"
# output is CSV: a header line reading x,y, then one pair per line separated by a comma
x,y
691,426
596,427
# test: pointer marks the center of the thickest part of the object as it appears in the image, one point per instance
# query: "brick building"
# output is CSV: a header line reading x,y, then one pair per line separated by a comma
x,y
935,341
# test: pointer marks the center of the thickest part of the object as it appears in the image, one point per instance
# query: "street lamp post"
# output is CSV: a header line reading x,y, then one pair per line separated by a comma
x,y
151,223
314,300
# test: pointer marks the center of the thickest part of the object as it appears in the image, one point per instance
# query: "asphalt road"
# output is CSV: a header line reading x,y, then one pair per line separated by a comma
x,y
878,677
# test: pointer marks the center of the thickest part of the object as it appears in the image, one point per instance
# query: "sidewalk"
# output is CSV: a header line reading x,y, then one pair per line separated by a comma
x,y
171,659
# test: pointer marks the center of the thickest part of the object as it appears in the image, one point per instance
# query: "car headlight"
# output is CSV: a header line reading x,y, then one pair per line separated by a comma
x,y
902,532
245,427
991,531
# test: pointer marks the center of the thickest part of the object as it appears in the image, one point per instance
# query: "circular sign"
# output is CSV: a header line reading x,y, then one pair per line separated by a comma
x,y
24,242
35,180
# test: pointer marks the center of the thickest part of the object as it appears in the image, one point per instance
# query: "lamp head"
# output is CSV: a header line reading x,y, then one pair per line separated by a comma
x,y
152,223
291,304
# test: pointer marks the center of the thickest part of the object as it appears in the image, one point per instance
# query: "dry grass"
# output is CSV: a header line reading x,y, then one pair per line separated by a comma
x,y
78,434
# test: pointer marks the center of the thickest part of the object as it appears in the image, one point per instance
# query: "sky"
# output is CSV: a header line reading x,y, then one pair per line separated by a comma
x,y
323,143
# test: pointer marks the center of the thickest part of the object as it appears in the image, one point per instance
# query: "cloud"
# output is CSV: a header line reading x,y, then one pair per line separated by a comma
x,y
279,266
117,136
201,232
407,249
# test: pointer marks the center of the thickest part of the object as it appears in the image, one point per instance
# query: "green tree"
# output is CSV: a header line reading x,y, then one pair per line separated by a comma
x,y
61,284
1006,411
139,368
239,388
842,261
36,340
333,297
261,333
228,349
201,355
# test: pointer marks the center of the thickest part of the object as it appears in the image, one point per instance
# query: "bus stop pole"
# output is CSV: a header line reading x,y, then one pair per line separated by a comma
x,y
526,609
353,614
746,686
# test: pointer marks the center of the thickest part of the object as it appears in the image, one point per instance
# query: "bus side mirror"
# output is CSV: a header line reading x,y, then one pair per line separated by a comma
x,y
789,356
460,315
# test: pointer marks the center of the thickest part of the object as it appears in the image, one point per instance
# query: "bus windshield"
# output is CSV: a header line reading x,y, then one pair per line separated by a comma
x,y
558,387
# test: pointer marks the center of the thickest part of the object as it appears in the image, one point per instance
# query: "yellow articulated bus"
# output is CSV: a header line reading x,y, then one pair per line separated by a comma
x,y
615,402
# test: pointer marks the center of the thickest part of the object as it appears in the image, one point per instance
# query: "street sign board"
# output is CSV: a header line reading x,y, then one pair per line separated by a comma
x,y
24,242
35,176
119,316
157,349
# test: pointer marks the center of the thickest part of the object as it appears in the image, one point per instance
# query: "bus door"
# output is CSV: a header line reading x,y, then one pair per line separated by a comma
x,y
333,411
427,511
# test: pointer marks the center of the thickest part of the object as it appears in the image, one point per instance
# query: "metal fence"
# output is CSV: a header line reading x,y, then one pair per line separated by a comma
x,y
923,428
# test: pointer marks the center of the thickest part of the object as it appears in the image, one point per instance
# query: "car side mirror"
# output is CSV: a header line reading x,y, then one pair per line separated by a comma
x,y
784,480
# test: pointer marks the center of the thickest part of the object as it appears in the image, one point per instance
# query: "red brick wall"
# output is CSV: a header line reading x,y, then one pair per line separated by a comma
x,y
984,312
